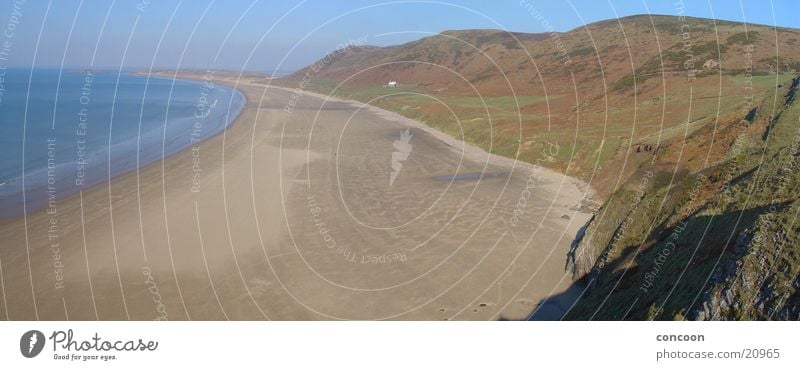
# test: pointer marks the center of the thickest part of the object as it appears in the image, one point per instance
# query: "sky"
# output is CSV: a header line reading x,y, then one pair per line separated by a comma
x,y
284,35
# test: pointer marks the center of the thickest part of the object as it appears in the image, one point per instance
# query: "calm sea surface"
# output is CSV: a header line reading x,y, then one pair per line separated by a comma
x,y
61,131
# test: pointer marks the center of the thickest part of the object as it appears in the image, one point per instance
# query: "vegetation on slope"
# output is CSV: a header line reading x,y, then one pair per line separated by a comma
x,y
593,92
719,243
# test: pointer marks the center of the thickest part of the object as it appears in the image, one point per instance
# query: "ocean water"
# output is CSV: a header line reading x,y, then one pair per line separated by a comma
x,y
62,131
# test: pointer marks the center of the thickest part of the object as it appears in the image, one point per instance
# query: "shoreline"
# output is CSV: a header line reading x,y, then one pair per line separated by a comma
x,y
37,199
224,252
84,261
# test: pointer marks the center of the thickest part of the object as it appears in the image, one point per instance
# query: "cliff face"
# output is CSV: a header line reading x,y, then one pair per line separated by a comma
x,y
714,244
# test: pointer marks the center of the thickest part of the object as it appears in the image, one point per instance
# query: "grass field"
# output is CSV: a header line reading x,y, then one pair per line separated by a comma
x,y
519,127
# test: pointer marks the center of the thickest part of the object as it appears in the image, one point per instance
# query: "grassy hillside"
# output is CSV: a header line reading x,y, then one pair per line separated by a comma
x,y
596,92
718,243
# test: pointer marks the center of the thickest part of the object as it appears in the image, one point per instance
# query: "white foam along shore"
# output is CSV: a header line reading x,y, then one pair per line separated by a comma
x,y
36,179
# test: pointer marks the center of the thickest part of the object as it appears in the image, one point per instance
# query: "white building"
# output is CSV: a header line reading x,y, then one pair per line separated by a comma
x,y
392,84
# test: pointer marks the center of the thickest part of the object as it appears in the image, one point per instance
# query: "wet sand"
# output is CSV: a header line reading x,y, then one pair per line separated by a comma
x,y
293,215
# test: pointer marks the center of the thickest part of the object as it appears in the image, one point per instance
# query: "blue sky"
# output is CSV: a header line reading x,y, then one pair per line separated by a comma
x,y
288,34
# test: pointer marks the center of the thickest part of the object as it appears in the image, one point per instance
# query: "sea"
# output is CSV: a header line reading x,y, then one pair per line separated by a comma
x,y
62,131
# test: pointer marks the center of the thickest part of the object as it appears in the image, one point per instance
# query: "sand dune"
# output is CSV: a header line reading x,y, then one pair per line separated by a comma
x,y
294,215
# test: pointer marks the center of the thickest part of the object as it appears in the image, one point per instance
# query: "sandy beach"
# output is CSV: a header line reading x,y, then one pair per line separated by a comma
x,y
306,208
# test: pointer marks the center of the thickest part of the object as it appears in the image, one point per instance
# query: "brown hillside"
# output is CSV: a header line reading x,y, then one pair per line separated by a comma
x,y
600,93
